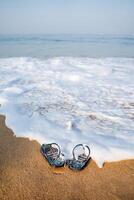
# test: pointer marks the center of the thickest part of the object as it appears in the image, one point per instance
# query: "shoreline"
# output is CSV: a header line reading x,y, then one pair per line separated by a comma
x,y
25,174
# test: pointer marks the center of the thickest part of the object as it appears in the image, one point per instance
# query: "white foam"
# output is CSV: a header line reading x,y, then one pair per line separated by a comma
x,y
14,90
3,101
71,101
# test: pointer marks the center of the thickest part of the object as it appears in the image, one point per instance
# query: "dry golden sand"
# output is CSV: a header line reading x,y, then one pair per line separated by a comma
x,y
25,174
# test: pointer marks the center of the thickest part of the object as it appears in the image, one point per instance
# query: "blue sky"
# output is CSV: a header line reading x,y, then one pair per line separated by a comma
x,y
67,16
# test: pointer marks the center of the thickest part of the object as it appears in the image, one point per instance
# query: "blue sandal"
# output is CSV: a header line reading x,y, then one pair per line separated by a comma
x,y
81,157
53,154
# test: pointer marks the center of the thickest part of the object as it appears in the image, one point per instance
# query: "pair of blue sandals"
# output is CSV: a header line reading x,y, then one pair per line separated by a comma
x,y
81,156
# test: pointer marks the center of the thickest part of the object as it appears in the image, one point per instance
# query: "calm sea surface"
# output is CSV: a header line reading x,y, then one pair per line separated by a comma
x,y
66,45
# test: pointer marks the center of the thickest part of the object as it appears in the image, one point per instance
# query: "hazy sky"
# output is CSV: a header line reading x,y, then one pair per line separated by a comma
x,y
67,16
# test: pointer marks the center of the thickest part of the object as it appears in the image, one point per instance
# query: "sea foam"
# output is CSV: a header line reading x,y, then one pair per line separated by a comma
x,y
71,100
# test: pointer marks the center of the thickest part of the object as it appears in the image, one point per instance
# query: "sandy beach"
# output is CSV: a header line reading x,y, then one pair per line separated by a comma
x,y
25,174
67,79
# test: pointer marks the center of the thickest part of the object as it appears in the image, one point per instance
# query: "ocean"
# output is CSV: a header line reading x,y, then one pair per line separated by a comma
x,y
43,46
70,89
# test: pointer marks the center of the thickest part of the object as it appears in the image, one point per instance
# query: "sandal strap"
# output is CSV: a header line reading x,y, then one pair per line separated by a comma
x,y
81,157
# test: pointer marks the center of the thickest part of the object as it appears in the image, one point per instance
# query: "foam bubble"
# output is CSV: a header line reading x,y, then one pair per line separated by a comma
x,y
3,101
73,78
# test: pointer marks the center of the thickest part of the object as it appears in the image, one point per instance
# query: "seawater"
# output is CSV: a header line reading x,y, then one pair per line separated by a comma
x,y
64,89
43,46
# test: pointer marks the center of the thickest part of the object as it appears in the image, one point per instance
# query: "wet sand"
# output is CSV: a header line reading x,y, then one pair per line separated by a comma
x,y
25,175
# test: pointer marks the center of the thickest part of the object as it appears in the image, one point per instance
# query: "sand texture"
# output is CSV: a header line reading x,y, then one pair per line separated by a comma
x,y
25,175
